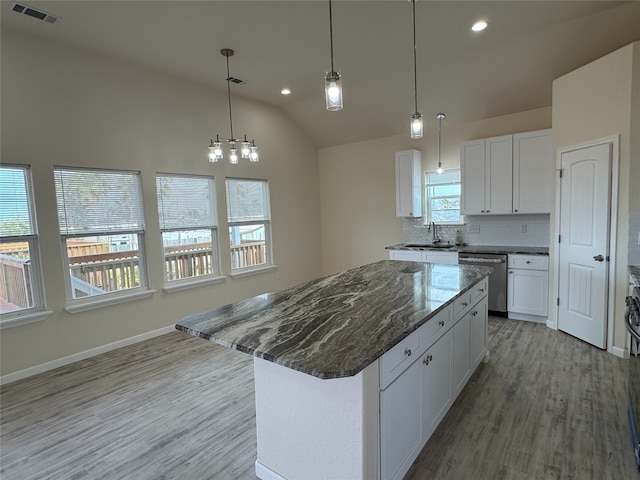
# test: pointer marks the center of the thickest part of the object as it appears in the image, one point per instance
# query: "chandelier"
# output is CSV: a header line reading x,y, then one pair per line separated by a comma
x,y
248,149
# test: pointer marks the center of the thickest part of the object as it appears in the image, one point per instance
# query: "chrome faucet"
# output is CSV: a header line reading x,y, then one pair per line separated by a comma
x,y
434,236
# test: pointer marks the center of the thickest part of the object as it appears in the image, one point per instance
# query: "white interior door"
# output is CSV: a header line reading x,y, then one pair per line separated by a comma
x,y
584,246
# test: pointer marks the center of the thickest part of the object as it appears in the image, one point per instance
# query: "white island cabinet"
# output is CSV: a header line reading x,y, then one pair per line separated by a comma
x,y
353,372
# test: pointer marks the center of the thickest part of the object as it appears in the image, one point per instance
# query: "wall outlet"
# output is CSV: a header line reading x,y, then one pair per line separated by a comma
x,y
473,228
523,228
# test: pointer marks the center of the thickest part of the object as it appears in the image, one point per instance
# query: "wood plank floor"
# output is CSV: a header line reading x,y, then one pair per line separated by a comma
x,y
546,406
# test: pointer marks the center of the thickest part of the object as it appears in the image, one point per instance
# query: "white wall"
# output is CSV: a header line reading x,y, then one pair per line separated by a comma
x,y
64,106
598,100
357,184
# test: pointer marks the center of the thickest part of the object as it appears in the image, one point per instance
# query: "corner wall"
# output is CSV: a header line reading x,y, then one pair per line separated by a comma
x,y
65,106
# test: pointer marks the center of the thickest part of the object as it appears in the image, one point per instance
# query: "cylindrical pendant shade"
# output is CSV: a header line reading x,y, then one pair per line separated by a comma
x,y
333,91
416,125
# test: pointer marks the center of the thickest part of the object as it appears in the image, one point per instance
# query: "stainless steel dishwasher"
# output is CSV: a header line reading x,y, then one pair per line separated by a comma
x,y
497,278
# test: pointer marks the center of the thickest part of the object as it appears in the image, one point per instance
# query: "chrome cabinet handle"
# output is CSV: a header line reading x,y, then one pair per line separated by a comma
x,y
407,352
441,323
427,359
474,313
464,304
599,258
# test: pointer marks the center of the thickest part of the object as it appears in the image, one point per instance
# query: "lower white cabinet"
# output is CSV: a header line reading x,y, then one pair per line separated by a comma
x,y
401,431
528,287
421,377
406,255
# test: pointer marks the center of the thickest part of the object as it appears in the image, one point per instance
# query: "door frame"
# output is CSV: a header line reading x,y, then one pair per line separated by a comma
x,y
614,141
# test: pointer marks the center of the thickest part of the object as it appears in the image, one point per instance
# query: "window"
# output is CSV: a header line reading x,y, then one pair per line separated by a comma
x,y
249,223
186,207
102,229
443,196
20,278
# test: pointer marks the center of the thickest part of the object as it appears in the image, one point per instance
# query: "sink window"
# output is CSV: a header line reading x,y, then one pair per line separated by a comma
x,y
442,194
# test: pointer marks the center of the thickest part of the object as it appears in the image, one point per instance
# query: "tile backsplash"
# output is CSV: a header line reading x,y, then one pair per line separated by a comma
x,y
633,257
512,230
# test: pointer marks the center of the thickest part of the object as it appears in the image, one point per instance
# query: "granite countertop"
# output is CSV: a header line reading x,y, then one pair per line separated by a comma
x,y
336,326
634,272
497,249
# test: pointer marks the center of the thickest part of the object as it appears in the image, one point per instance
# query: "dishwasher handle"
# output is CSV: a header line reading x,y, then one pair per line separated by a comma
x,y
480,260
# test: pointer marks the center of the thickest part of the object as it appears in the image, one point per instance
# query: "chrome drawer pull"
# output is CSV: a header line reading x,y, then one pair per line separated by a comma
x,y
407,352
427,359
441,323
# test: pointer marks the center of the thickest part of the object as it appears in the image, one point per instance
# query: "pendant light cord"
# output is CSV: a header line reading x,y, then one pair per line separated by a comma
x,y
439,139
331,34
415,68
229,94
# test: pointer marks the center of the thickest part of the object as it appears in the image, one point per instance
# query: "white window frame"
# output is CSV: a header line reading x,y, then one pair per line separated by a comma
x,y
75,305
427,197
194,280
37,311
269,263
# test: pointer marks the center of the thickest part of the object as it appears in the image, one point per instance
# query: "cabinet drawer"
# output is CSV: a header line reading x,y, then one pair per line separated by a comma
x,y
406,255
435,328
396,360
529,262
480,290
462,304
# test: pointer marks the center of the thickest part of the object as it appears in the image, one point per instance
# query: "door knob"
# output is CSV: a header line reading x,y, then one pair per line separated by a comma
x,y
599,258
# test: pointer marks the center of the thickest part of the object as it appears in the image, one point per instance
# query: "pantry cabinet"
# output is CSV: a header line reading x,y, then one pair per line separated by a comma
x,y
507,174
408,183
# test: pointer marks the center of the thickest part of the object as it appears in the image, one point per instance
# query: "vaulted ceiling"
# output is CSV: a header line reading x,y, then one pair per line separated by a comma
x,y
507,68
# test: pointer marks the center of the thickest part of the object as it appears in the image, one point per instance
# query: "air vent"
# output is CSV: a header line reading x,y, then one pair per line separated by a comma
x,y
33,12
237,81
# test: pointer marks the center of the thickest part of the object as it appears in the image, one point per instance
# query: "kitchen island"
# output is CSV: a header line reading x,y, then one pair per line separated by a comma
x,y
354,371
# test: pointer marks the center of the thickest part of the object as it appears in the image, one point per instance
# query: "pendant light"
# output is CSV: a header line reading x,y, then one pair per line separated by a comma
x,y
248,149
417,125
440,117
332,81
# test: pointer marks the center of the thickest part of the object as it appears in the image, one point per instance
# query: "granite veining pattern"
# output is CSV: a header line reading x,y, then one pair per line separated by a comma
x,y
336,326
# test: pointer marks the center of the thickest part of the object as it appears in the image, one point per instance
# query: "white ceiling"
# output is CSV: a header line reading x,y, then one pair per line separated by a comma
x,y
507,68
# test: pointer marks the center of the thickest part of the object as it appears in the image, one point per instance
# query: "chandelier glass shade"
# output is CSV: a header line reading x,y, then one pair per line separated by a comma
x,y
248,148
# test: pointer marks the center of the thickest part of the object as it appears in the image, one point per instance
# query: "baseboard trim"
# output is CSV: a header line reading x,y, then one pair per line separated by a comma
x,y
265,473
61,362
619,352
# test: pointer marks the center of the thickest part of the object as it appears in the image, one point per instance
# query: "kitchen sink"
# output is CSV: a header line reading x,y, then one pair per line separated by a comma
x,y
429,245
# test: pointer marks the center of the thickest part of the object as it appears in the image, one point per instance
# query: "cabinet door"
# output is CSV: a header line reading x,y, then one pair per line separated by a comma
x,y
408,184
436,383
401,422
406,255
472,177
528,291
532,172
478,329
461,352
498,174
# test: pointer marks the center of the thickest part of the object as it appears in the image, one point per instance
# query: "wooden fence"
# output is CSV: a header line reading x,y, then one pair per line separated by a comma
x,y
94,270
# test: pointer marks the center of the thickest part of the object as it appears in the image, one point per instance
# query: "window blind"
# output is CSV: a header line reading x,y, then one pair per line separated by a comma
x,y
98,201
185,201
247,200
16,202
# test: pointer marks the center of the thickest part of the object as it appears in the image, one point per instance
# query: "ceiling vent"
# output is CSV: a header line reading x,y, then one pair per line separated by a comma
x,y
33,12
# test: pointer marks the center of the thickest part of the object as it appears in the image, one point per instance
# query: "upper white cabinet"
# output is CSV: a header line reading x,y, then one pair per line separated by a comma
x,y
507,174
408,183
532,172
487,175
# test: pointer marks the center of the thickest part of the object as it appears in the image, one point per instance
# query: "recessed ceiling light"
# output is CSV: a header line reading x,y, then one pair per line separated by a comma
x,y
285,91
479,26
